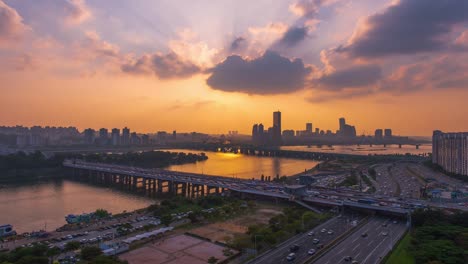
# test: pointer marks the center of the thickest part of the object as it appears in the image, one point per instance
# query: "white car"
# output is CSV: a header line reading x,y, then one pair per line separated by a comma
x,y
291,256
311,233
323,230
311,251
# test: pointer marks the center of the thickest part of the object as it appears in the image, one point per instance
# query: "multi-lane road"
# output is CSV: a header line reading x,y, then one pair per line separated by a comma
x,y
367,245
324,233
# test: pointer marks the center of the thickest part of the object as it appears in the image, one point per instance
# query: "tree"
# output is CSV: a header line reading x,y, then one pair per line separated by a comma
x,y
166,219
89,253
212,260
72,245
101,213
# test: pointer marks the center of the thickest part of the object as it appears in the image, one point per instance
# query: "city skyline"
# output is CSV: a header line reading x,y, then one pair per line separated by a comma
x,y
153,65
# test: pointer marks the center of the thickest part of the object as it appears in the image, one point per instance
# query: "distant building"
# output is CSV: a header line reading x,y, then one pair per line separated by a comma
x,y
388,133
277,128
125,136
103,136
378,134
135,139
174,135
145,140
115,136
450,151
89,136
288,133
309,128
345,129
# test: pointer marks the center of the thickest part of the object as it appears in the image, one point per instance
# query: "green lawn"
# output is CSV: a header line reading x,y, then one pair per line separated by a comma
x,y
401,254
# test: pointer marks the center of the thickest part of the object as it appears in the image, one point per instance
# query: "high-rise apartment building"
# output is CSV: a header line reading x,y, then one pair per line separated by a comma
x,y
125,136
388,133
103,136
450,151
378,134
89,136
115,136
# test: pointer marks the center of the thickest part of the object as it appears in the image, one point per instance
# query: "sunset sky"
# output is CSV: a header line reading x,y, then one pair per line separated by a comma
x,y
217,65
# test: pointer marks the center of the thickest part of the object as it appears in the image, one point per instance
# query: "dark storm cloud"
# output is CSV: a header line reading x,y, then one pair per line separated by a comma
x,y
238,44
293,36
165,66
268,74
354,77
408,27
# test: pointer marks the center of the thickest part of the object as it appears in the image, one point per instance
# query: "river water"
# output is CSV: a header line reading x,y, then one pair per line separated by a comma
x,y
38,205
42,205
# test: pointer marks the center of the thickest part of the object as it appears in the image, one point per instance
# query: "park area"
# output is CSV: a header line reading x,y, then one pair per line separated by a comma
x,y
180,249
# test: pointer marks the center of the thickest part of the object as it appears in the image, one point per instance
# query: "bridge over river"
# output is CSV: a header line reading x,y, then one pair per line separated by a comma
x,y
195,185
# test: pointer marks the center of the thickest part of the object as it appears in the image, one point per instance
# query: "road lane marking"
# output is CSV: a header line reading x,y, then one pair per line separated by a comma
x,y
339,252
372,252
356,246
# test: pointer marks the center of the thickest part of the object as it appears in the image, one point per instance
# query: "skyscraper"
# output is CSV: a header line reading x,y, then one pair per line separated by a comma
x,y
308,128
342,121
277,128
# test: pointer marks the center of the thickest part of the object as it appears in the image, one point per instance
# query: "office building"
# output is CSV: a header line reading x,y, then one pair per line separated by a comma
x,y
277,128
450,151
115,136
345,129
308,128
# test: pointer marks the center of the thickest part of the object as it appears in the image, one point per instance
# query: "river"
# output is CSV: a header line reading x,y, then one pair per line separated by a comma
x,y
243,166
45,204
37,205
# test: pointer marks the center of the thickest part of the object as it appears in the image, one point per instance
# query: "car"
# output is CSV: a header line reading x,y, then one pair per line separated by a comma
x,y
384,224
319,246
311,233
291,256
315,241
330,232
395,221
311,251
294,248
347,258
364,234
384,233
354,262
323,230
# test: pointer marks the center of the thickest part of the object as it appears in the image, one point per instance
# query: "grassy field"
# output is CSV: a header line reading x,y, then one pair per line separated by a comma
x,y
401,254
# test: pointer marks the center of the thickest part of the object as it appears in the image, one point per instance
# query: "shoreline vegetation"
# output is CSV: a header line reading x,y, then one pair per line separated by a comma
x,y
22,166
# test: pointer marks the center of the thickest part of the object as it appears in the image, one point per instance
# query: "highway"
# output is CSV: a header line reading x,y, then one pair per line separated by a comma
x,y
382,235
338,226
327,197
